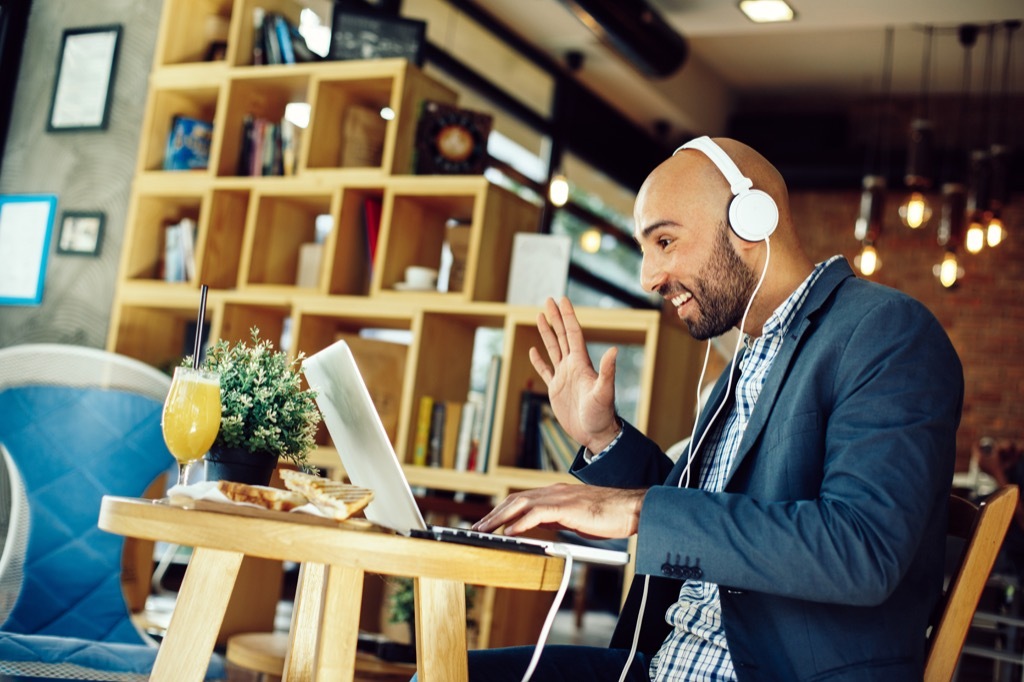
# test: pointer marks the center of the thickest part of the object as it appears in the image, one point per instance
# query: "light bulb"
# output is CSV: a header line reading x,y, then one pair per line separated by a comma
x,y
868,261
590,240
975,240
996,233
558,192
949,270
915,211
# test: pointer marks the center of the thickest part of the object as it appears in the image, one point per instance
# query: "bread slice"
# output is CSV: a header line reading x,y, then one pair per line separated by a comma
x,y
276,499
335,499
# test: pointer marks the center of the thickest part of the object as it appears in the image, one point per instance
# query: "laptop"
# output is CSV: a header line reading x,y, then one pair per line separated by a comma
x,y
370,462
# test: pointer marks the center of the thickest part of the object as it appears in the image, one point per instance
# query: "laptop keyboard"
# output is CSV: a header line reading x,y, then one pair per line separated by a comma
x,y
473,537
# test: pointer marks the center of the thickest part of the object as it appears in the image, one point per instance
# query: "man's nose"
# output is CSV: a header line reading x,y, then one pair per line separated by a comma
x,y
651,273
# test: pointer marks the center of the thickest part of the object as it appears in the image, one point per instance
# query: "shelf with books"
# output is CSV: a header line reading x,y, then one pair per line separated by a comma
x,y
353,244
253,95
150,216
195,98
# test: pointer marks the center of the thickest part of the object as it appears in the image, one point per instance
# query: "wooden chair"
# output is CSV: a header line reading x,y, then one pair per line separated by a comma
x,y
983,527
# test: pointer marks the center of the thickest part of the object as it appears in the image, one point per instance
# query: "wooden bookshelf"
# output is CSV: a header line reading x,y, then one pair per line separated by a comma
x,y
250,231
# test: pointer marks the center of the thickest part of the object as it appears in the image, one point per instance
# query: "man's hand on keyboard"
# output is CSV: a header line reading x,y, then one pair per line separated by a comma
x,y
589,510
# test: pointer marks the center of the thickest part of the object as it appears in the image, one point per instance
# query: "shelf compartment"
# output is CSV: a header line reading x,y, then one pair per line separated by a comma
x,y
273,319
193,98
222,233
415,219
261,93
379,341
188,28
160,334
443,351
150,213
279,224
349,266
346,130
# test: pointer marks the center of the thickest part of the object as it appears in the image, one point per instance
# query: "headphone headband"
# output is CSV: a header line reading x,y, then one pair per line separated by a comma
x,y
753,214
737,181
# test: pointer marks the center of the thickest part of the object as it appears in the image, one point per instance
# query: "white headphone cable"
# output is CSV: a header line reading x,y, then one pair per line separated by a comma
x,y
684,478
549,621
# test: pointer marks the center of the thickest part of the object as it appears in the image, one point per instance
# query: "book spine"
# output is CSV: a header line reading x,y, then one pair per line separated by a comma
x,y
284,39
436,441
452,427
422,442
490,403
465,439
258,55
187,237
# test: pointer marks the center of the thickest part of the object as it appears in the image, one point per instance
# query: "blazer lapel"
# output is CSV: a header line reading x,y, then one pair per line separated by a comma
x,y
822,290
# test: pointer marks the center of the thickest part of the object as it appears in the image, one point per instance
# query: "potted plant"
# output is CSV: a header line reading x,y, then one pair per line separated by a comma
x,y
265,413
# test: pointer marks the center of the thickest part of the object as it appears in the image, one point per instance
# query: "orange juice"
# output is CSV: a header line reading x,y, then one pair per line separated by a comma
x,y
191,416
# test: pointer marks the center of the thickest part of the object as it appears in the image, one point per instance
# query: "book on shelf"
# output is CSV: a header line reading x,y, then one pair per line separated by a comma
x,y
372,207
559,448
435,441
276,40
263,149
486,423
529,452
179,251
466,443
363,131
421,446
188,144
259,57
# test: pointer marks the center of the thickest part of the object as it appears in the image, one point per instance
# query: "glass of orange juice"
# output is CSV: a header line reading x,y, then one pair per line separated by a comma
x,y
191,416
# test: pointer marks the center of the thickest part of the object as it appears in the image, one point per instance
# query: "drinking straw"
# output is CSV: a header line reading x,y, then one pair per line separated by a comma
x,y
199,327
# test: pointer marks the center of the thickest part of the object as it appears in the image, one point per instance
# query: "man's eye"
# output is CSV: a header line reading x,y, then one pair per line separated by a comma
x,y
663,243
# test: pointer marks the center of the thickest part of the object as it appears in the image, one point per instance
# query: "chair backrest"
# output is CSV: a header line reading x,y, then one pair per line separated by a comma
x,y
75,424
983,527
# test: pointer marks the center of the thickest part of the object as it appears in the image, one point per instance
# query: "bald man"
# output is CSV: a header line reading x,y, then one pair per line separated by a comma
x,y
802,536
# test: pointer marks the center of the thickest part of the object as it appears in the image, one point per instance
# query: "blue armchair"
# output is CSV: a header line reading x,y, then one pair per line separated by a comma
x,y
75,424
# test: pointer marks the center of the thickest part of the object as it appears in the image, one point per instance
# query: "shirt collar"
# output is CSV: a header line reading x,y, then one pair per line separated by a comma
x,y
782,317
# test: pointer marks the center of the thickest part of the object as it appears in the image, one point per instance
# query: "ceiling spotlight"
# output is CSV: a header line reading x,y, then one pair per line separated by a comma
x,y
590,240
767,11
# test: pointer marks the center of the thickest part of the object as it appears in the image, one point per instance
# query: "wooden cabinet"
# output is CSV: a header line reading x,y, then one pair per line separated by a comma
x,y
251,231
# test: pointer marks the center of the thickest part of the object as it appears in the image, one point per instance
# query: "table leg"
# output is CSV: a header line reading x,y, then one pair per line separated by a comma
x,y
198,612
441,630
339,635
300,662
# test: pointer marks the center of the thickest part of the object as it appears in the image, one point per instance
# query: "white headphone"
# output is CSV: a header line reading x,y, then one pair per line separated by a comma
x,y
753,214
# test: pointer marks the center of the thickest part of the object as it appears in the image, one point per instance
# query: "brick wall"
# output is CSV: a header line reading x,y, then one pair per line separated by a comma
x,y
984,315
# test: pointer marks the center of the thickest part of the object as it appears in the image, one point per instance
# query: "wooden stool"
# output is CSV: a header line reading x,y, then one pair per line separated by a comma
x,y
264,653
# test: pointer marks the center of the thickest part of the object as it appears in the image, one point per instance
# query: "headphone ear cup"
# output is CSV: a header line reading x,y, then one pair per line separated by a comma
x,y
753,215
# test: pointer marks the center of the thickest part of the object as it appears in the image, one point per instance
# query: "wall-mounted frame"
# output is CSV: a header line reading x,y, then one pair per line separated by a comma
x,y
368,35
84,83
81,233
26,223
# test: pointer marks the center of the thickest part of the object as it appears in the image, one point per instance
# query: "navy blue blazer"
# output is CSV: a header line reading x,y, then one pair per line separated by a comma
x,y
828,541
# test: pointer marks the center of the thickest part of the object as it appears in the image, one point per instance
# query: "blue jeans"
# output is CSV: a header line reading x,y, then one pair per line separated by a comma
x,y
561,663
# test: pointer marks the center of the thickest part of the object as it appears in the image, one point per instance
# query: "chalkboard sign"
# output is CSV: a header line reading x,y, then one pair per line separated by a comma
x,y
363,35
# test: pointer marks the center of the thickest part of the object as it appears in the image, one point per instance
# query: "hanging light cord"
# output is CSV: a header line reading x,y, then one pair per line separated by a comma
x,y
926,73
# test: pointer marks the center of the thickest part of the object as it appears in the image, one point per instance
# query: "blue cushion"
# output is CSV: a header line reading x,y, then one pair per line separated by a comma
x,y
72,446
63,657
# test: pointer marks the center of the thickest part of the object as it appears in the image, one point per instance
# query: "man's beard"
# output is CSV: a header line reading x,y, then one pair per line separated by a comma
x,y
722,290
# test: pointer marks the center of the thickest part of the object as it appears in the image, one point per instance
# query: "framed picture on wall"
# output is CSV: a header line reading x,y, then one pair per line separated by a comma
x,y
366,35
81,233
84,84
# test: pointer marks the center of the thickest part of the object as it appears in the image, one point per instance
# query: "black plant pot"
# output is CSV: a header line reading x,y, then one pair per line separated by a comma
x,y
239,465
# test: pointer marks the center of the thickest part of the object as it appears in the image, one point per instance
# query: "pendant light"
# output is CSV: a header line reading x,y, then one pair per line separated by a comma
x,y
868,226
950,233
979,172
999,151
915,212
